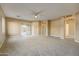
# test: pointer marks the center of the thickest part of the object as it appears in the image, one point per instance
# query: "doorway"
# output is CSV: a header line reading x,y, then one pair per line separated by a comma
x,y
69,27
25,30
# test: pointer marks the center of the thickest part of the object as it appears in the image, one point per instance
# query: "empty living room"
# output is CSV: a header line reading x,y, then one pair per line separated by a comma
x,y
39,29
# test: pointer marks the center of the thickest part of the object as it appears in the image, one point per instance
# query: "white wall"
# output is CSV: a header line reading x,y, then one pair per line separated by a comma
x,y
1,38
77,29
2,27
44,28
57,28
14,26
71,29
35,28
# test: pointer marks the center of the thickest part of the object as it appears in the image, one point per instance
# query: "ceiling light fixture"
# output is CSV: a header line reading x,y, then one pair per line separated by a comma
x,y
35,16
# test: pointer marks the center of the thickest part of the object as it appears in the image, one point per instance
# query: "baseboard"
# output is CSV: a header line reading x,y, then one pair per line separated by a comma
x,y
1,44
76,41
57,37
3,54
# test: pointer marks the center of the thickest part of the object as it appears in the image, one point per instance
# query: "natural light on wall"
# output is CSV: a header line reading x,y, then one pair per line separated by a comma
x,y
3,25
67,29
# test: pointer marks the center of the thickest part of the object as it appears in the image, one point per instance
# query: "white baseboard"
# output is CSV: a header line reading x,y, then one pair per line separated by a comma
x,y
57,37
76,41
1,43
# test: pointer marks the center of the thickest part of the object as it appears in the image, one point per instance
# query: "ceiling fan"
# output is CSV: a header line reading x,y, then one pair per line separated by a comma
x,y
36,13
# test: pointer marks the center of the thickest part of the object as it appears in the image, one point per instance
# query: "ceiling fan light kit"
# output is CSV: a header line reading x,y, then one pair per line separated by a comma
x,y
36,16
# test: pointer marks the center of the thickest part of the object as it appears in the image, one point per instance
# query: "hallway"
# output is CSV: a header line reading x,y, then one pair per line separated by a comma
x,y
41,46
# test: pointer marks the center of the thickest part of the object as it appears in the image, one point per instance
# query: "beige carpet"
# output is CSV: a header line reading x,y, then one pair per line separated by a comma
x,y
41,46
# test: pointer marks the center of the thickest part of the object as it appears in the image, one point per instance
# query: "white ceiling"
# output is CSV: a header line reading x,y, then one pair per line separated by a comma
x,y
48,10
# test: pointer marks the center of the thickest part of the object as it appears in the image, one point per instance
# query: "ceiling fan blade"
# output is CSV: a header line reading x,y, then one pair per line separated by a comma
x,y
37,13
32,12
